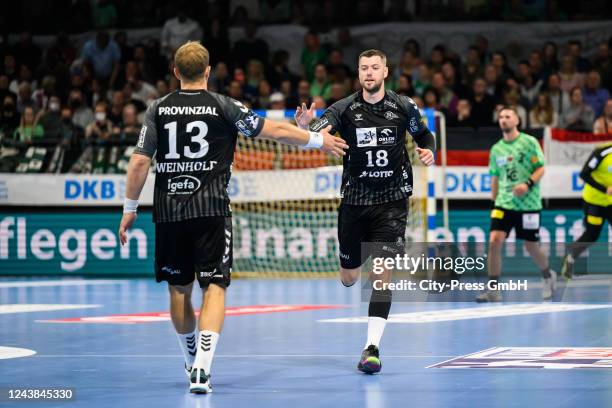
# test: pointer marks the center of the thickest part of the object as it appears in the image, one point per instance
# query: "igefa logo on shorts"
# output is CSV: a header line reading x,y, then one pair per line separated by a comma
x,y
183,185
366,137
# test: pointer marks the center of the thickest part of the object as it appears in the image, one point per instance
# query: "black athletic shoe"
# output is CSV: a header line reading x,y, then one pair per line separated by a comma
x,y
199,382
370,362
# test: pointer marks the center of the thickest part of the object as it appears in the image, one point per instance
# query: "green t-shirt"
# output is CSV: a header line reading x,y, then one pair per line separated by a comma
x,y
513,163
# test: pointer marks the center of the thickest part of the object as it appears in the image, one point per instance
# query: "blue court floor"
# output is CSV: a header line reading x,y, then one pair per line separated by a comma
x,y
299,356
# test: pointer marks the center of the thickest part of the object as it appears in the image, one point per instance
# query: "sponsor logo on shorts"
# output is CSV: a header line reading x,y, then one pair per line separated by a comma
x,y
208,274
183,185
170,271
344,256
534,357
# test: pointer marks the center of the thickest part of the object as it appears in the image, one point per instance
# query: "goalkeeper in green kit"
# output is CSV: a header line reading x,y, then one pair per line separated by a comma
x,y
516,164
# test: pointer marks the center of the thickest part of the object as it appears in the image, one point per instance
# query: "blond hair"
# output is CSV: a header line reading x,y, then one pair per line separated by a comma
x,y
191,60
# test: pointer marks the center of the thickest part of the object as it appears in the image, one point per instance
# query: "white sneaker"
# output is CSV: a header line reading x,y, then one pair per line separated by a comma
x,y
489,296
549,285
199,382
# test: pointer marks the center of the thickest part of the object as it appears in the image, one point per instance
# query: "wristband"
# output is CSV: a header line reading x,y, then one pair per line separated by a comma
x,y
530,183
314,141
129,206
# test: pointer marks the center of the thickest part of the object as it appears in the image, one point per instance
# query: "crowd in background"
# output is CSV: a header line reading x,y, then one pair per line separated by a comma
x,y
77,98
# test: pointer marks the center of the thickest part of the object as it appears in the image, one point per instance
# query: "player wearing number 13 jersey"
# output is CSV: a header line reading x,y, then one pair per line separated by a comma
x,y
192,134
376,180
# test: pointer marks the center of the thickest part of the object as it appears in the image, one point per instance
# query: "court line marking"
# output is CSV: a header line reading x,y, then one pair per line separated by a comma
x,y
35,307
67,282
475,312
221,355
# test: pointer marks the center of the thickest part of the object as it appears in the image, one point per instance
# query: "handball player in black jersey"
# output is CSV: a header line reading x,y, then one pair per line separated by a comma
x,y
376,179
192,134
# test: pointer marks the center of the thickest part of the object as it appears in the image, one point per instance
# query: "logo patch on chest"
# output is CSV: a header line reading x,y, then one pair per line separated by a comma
x,y
376,136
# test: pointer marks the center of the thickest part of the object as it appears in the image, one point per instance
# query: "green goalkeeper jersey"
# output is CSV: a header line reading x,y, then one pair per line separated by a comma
x,y
513,162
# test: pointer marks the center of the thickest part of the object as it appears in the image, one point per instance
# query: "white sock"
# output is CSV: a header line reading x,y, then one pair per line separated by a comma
x,y
376,327
188,344
207,343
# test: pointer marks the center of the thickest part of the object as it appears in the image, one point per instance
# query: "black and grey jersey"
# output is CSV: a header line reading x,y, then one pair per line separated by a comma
x,y
192,135
377,168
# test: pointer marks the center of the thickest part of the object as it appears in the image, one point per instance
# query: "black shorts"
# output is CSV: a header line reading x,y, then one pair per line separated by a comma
x,y
199,247
596,215
358,224
525,223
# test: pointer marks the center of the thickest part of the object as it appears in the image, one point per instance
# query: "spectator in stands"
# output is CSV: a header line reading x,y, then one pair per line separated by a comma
x,y
104,14
493,81
408,65
277,101
28,129
464,115
115,113
162,88
254,73
220,79
603,124
337,69
279,69
550,61
579,116
61,54
448,99
9,120
431,100
500,63
250,47
404,86
536,66
319,102
104,56
575,50
543,114
603,64
24,96
50,118
453,82
437,57
312,55
41,95
141,91
472,68
178,30
303,93
82,115
101,128
482,104
529,86
216,38
4,88
320,86
10,67
559,98
337,92
424,79
130,128
594,95
126,50
570,77
264,91
234,90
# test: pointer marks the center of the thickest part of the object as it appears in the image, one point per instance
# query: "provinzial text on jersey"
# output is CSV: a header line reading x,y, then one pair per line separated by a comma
x,y
188,110
182,167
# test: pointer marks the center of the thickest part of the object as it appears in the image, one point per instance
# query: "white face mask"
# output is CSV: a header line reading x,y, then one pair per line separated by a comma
x,y
54,107
100,116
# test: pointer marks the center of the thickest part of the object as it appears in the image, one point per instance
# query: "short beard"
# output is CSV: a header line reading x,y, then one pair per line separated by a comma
x,y
374,89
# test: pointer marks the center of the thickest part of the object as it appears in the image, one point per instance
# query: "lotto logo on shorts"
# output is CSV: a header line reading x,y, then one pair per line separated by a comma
x,y
534,357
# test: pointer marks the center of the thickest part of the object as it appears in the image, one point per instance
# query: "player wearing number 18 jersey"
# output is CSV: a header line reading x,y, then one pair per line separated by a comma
x,y
376,179
192,133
